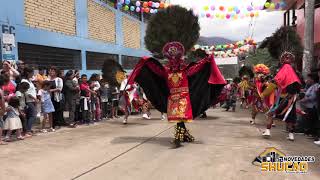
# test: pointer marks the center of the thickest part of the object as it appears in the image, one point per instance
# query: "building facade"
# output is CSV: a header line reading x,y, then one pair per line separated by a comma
x,y
70,34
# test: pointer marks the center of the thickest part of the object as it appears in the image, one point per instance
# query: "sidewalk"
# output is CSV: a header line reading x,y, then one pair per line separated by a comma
x,y
225,146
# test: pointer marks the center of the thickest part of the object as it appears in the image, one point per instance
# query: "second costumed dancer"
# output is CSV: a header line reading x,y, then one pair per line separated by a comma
x,y
183,91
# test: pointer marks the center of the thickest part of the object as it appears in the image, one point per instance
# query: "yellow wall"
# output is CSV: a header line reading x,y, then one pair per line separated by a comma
x,y
102,23
131,33
51,15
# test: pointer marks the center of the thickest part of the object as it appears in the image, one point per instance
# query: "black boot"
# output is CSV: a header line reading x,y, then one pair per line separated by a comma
x,y
178,136
188,137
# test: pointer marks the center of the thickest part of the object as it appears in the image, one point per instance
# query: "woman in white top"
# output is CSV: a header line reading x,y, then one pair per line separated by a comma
x,y
57,97
31,100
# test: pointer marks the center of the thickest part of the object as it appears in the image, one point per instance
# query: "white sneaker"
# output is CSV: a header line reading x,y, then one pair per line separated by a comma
x,y
252,122
163,117
291,137
317,142
145,116
266,133
125,121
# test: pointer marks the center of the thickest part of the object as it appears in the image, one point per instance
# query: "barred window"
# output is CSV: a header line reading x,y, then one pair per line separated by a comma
x,y
129,62
45,56
95,60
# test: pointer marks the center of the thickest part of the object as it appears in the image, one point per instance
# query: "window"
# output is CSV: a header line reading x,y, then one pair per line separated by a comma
x,y
36,56
95,60
129,62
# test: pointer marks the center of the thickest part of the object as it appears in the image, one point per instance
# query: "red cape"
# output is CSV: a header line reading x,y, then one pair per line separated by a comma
x,y
286,76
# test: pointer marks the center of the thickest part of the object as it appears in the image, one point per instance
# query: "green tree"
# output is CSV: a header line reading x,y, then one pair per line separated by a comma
x,y
284,39
262,56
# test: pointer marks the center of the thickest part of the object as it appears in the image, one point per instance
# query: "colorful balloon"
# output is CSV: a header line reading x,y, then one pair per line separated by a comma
x,y
238,11
249,8
206,8
126,7
157,5
119,5
212,8
150,3
228,16
267,5
272,6
132,8
138,3
122,1
138,9
145,4
161,4
221,8
127,2
208,15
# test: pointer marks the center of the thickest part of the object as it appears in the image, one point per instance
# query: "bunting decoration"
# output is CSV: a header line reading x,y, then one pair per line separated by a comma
x,y
141,6
229,50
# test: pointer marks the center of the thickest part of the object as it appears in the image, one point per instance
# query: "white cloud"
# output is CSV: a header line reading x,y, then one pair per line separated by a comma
x,y
262,26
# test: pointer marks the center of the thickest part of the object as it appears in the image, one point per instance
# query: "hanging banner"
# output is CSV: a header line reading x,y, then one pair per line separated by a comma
x,y
8,43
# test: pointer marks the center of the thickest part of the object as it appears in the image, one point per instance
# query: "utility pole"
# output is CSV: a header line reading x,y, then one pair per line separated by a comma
x,y
308,37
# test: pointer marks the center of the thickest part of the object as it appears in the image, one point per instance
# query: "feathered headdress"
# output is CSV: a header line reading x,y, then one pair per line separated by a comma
x,y
261,69
173,24
112,72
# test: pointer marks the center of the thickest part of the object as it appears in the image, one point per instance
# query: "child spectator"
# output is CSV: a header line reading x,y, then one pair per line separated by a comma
x,y
13,121
20,94
105,98
31,100
47,107
95,103
85,94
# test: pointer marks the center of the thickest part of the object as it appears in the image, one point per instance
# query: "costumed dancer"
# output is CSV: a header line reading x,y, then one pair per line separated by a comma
x,y
288,86
183,91
246,74
125,100
258,104
174,82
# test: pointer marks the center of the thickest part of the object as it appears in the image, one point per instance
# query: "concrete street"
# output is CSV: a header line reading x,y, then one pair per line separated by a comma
x,y
225,146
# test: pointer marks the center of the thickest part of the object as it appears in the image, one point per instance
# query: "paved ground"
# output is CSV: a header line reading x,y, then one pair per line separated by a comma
x,y
226,144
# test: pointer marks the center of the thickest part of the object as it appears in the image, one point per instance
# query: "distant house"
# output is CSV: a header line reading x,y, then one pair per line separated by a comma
x,y
294,16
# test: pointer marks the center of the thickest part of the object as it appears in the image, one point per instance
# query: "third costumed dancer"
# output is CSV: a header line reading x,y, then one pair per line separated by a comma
x,y
288,86
183,91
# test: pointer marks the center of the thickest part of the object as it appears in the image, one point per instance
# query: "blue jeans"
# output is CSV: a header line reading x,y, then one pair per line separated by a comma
x,y
31,113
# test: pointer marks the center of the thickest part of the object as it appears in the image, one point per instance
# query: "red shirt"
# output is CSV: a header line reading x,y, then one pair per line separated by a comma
x,y
84,88
9,89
